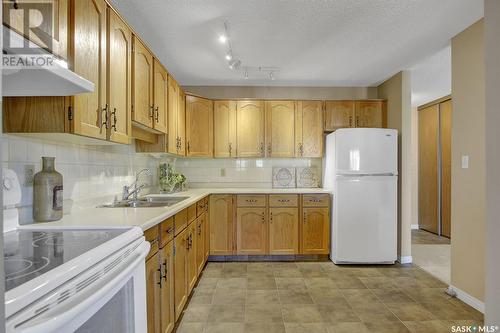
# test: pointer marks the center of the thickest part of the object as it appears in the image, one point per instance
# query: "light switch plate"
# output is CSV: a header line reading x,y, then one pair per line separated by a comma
x,y
465,161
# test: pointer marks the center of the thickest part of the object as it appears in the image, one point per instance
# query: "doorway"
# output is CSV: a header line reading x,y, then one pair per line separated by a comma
x,y
431,240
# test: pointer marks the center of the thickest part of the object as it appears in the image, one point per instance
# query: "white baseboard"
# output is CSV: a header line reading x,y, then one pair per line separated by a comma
x,y
414,226
468,299
405,259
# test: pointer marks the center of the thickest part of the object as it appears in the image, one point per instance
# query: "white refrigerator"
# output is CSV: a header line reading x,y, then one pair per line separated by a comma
x,y
361,169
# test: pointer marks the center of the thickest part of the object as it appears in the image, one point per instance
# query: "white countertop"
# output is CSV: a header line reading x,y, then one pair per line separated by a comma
x,y
147,217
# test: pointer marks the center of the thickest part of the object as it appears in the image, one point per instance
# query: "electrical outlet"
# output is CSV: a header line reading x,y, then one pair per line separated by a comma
x,y
29,174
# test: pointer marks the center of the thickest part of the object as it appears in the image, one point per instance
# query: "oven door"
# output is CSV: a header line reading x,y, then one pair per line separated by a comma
x,y
109,297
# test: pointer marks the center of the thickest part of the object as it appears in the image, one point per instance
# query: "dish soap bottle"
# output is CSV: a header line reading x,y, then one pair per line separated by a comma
x,y
47,193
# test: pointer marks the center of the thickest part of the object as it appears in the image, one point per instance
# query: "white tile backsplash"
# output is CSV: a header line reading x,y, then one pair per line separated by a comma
x,y
240,172
90,174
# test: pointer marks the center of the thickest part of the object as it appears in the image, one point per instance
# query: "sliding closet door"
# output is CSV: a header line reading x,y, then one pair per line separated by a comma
x,y
428,166
445,136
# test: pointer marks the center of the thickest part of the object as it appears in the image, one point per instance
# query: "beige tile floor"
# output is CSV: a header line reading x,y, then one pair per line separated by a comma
x,y
432,253
321,297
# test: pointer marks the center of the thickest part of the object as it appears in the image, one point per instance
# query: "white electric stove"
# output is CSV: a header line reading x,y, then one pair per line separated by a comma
x,y
72,280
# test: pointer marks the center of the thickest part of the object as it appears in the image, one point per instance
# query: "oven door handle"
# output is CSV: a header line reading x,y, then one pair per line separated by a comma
x,y
53,321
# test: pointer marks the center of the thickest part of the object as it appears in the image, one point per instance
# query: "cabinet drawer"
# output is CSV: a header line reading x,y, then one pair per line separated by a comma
x,y
191,213
201,207
151,236
315,200
166,231
251,200
180,221
283,200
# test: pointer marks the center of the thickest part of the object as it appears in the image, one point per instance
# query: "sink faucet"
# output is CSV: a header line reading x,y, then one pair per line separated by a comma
x,y
137,188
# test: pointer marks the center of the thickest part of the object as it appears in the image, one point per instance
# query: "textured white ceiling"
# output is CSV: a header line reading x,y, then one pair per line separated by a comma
x,y
431,78
314,42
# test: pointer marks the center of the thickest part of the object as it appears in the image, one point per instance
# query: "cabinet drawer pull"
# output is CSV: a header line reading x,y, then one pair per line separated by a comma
x,y
284,200
305,218
113,114
159,280
169,230
157,114
105,121
165,269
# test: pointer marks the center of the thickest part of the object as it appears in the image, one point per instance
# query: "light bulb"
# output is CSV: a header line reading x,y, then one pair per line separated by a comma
x,y
228,56
222,39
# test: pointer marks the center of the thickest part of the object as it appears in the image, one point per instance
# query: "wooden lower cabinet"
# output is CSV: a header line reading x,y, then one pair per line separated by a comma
x,y
251,230
200,242
283,231
315,230
167,320
153,293
191,266
180,271
221,224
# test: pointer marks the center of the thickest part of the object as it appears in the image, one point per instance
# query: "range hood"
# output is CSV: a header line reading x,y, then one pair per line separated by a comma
x,y
53,80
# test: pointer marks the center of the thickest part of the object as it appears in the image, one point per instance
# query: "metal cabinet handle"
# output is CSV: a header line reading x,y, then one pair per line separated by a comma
x,y
152,111
165,270
350,121
269,148
284,200
105,121
113,114
169,230
157,114
261,149
305,218
271,217
159,280
301,149
357,121
230,147
188,147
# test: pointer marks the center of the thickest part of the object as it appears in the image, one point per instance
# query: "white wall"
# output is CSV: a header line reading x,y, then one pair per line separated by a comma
x,y
492,119
240,172
90,174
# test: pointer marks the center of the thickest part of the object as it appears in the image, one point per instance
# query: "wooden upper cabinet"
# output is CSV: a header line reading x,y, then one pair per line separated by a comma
x,y
250,129
225,129
221,224
181,122
315,230
280,128
199,127
119,78
160,96
88,55
338,114
153,280
167,320
251,231
283,231
371,113
51,35
309,129
172,112
142,85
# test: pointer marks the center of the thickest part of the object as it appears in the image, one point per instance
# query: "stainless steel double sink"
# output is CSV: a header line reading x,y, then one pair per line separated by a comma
x,y
149,201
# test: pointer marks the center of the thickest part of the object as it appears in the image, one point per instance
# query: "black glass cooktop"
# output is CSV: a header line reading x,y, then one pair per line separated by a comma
x,y
31,253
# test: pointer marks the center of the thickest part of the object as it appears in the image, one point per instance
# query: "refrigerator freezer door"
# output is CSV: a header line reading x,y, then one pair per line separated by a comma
x,y
365,220
366,151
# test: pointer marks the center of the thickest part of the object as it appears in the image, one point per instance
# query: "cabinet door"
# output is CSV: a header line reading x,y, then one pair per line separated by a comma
x,y
88,51
283,231
142,85
51,35
192,267
153,280
221,225
180,271
371,114
181,123
200,243
199,126
173,105
160,96
119,79
309,129
280,128
224,129
206,221
251,230
315,233
339,114
167,288
250,129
